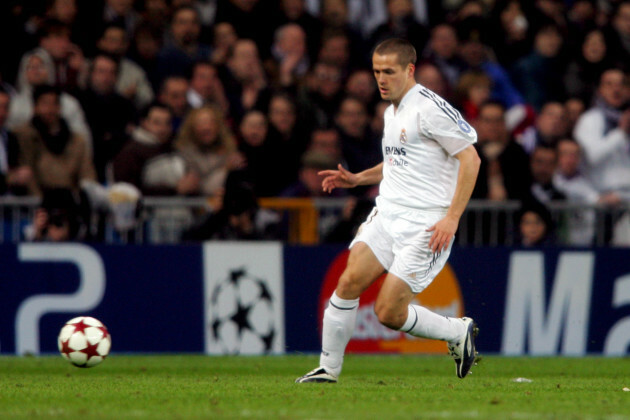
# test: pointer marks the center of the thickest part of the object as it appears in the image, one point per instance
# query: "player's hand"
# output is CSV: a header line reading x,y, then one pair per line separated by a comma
x,y
338,178
443,232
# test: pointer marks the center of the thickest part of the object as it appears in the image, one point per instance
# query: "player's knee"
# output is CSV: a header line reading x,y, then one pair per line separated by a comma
x,y
349,286
390,317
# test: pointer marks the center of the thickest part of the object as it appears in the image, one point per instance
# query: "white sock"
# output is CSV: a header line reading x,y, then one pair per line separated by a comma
x,y
421,322
339,319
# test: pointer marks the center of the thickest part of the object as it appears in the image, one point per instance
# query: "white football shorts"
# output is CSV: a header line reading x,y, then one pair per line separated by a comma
x,y
398,238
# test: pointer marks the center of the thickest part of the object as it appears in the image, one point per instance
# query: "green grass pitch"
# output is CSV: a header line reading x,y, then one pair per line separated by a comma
x,y
371,387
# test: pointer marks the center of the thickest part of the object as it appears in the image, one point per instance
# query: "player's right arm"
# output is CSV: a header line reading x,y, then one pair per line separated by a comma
x,y
342,178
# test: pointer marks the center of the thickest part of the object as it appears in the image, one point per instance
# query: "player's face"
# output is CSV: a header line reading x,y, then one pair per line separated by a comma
x,y
391,77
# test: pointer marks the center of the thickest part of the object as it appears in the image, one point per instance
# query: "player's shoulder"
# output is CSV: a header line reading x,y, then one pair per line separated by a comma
x,y
436,112
429,100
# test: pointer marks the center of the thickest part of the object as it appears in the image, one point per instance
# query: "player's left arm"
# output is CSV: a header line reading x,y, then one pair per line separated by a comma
x,y
444,230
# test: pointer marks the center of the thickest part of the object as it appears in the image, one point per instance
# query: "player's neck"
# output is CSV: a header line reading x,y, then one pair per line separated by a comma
x,y
410,84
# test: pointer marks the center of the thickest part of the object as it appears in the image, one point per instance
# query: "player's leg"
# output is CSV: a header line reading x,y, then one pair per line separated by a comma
x,y
394,310
362,270
415,266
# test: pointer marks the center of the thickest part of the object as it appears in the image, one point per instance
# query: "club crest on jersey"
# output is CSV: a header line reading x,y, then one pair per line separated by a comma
x,y
463,125
403,136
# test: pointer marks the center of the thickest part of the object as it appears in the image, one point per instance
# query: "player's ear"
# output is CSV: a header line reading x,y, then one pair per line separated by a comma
x,y
411,70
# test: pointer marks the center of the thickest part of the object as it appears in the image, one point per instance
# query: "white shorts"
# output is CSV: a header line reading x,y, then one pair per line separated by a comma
x,y
398,238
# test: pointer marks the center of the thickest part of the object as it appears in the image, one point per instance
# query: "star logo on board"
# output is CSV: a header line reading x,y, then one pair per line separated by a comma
x,y
403,136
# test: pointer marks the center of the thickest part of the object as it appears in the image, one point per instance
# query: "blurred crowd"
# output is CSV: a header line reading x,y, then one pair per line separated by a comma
x,y
240,99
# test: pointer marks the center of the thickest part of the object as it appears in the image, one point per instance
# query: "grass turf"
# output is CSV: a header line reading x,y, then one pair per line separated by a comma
x,y
371,387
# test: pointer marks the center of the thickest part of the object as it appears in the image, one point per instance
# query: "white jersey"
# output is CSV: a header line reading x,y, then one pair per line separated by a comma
x,y
419,142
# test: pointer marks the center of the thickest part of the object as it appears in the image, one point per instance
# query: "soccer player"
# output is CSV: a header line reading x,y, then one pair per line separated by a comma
x,y
426,178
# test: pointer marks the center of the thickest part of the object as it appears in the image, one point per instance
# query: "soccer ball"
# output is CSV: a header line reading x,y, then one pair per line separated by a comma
x,y
84,341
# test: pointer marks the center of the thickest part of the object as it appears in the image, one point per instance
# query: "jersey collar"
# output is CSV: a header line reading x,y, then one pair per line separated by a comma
x,y
407,97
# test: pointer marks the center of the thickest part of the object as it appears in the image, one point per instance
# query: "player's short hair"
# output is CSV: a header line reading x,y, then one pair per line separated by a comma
x,y
401,47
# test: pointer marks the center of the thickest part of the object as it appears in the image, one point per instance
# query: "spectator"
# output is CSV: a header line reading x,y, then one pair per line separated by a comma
x,y
442,51
327,142
285,130
583,72
148,162
66,12
109,114
504,172
208,148
603,132
429,76
58,219
535,227
334,17
511,31
294,11
58,157
476,57
35,72
573,109
223,41
154,13
244,79
538,75
250,19
618,33
120,12
543,163
173,94
206,87
289,60
13,179
335,49
261,153
183,48
320,94
581,16
63,60
378,121
578,190
240,218
401,23
309,183
360,148
552,11
131,80
360,84
549,127
144,50
472,90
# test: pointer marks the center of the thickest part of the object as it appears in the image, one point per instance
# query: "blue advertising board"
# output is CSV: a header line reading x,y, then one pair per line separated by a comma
x,y
182,298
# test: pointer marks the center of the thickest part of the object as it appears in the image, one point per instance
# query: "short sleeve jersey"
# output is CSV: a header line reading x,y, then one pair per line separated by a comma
x,y
419,143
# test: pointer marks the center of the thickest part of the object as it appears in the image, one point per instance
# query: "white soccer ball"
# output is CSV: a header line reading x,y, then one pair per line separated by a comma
x,y
84,341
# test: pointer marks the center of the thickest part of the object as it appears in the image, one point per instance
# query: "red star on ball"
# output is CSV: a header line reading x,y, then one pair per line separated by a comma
x,y
104,330
90,350
65,347
80,326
